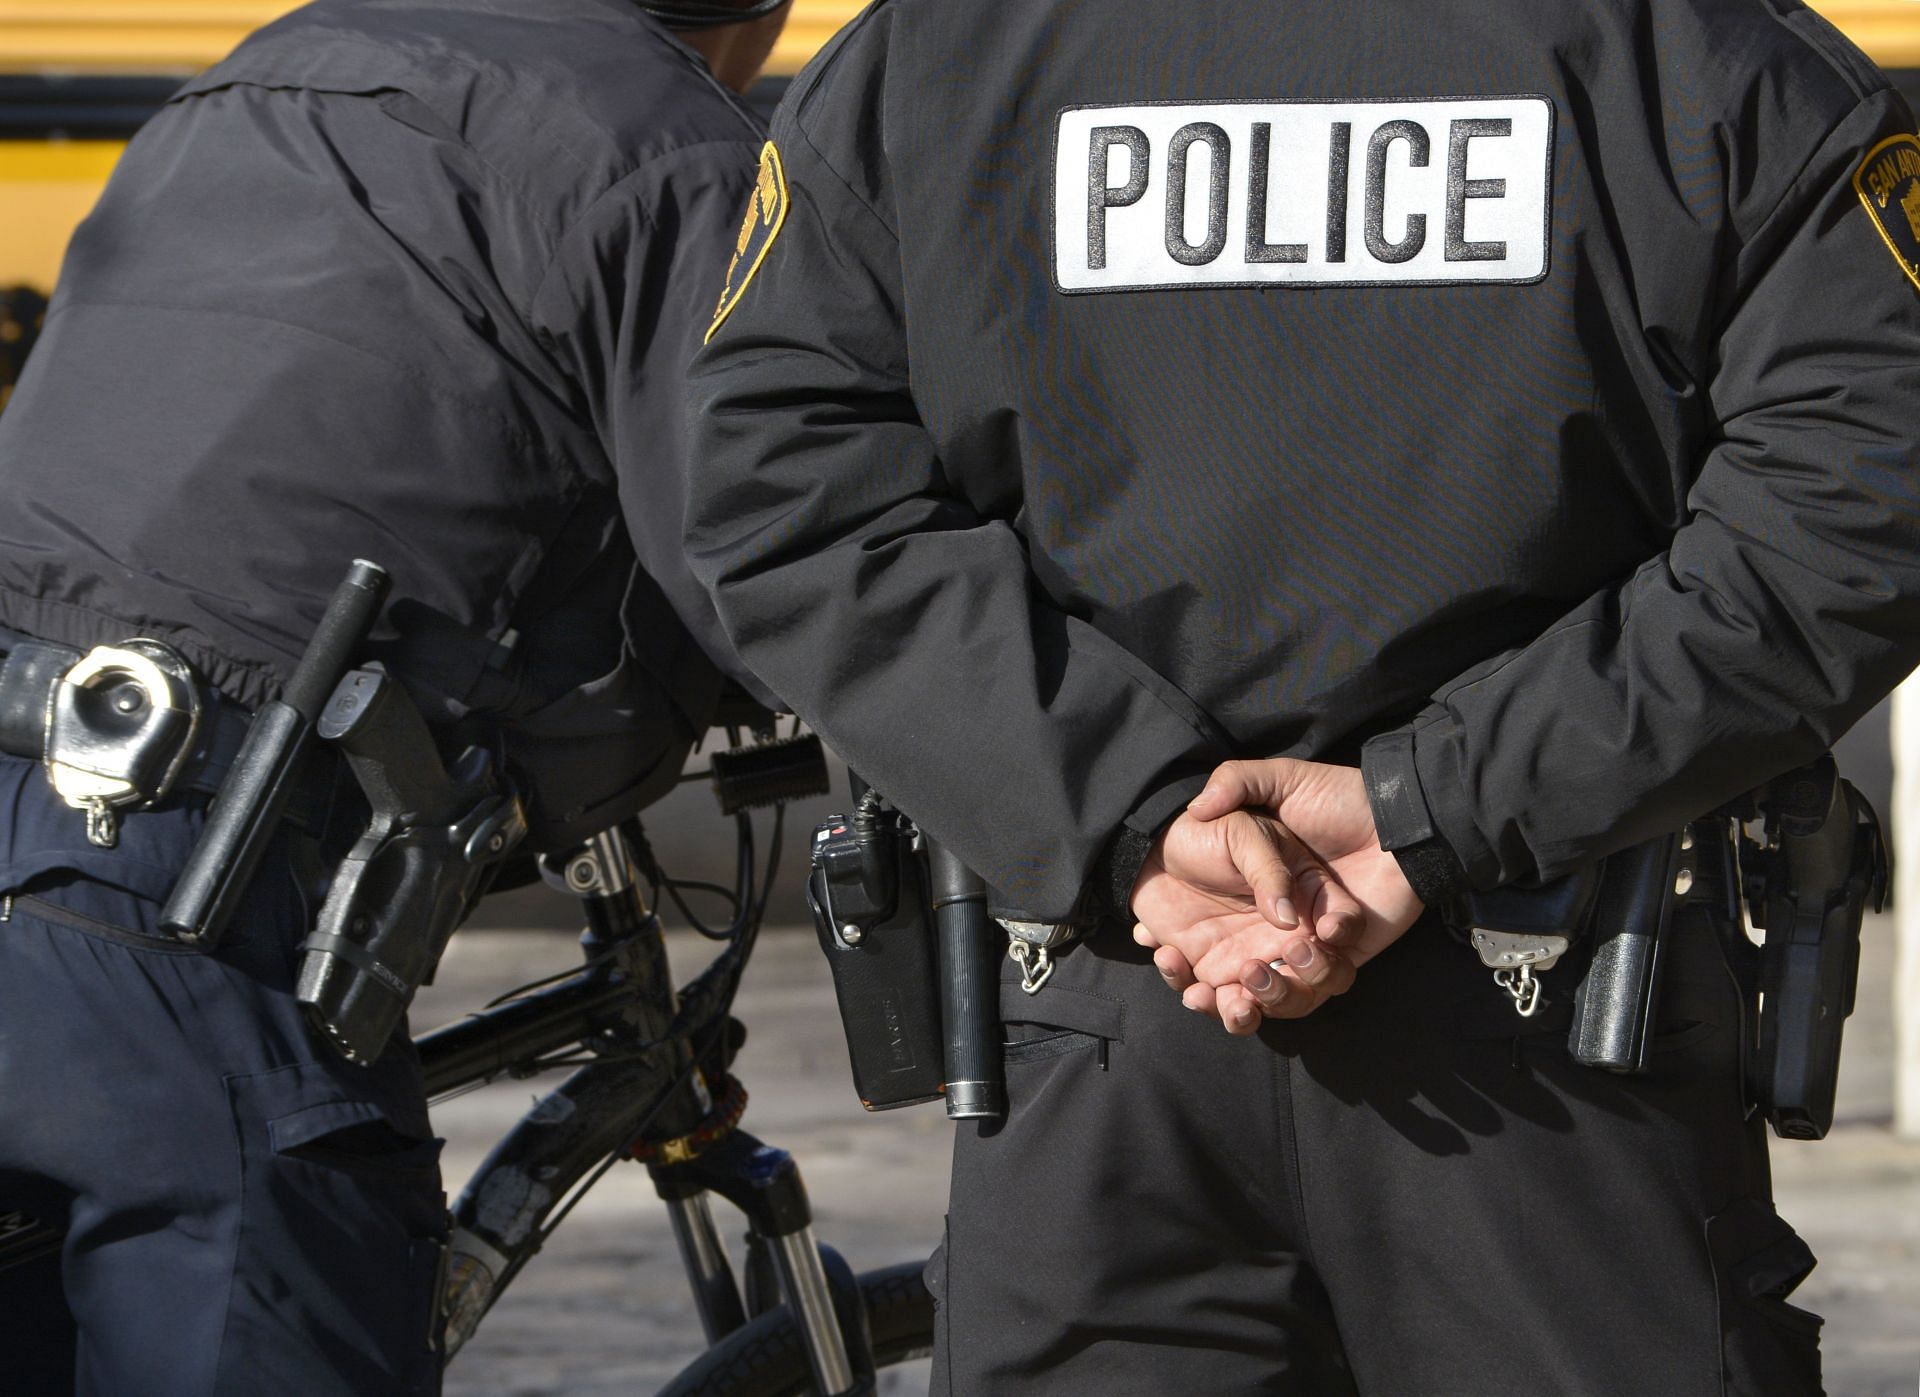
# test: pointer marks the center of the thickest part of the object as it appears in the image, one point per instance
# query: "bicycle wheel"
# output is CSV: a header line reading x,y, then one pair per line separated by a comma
x,y
767,1358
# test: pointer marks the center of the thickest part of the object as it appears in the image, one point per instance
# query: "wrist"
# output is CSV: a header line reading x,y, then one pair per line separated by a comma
x,y
1111,879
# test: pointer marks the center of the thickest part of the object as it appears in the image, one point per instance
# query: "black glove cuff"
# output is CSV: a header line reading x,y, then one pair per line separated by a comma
x,y
1435,875
1405,824
1110,885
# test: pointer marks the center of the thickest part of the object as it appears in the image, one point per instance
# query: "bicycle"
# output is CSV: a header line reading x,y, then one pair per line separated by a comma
x,y
650,1083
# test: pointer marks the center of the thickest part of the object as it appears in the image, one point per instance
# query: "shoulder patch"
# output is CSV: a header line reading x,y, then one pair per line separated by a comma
x,y
1888,182
766,215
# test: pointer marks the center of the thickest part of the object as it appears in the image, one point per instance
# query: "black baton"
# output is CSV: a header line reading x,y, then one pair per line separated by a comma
x,y
254,794
969,987
1615,1007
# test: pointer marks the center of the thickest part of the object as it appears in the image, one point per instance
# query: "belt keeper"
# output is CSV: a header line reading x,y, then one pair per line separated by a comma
x,y
27,676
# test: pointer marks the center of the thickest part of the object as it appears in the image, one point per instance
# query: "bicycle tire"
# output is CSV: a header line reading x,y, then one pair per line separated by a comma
x,y
767,1358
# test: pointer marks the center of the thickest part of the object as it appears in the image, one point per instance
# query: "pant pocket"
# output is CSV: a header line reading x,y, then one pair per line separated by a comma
x,y
1768,1346
342,1227
1056,1022
355,1136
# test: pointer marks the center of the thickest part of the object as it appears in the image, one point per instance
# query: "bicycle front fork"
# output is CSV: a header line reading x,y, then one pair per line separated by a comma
x,y
819,1289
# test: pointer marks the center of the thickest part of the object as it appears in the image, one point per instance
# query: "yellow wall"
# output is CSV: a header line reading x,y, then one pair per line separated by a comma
x,y
185,35
147,36
1889,30
46,188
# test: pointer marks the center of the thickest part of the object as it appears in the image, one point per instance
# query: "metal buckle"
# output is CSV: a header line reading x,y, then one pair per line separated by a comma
x,y
121,724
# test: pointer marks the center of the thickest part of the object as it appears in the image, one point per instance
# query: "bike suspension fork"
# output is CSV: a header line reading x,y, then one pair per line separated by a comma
x,y
764,1183
715,1294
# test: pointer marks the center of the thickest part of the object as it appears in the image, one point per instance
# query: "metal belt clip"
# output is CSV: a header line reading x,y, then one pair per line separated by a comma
x,y
1032,944
120,726
1514,958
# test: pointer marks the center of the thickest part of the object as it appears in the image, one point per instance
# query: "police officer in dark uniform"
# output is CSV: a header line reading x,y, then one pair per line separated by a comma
x,y
408,281
1503,414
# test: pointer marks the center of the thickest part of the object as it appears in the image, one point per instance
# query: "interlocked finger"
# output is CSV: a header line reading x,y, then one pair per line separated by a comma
x,y
1238,1010
1268,986
1173,967
1263,850
1332,911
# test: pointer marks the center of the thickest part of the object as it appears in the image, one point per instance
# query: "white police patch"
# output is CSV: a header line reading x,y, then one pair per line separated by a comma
x,y
1397,193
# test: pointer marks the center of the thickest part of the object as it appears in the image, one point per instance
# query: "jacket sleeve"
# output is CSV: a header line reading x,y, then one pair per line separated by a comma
x,y
856,576
624,303
1785,607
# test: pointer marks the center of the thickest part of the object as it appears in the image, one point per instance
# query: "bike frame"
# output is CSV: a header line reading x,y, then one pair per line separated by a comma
x,y
648,1096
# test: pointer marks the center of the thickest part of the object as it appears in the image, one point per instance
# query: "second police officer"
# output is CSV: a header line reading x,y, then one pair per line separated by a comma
x,y
414,280
1501,413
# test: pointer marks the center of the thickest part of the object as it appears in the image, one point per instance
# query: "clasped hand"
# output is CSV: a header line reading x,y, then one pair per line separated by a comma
x,y
1270,891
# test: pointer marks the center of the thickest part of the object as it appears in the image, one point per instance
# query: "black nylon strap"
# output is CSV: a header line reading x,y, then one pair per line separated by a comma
x,y
27,676
1435,875
1405,824
358,956
1119,868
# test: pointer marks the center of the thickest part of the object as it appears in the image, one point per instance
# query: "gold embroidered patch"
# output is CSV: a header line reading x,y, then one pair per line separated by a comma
x,y
766,215
1888,182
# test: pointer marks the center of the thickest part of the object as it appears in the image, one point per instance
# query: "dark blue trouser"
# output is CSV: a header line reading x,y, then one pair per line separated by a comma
x,y
1411,1193
245,1212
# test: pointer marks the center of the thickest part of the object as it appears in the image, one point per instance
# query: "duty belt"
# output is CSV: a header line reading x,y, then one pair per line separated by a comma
x,y
123,727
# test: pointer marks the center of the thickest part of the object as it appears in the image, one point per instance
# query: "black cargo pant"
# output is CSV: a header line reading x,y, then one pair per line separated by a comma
x,y
245,1212
1414,1193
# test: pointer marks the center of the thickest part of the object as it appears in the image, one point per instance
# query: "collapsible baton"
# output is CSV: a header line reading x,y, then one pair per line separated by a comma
x,y
254,794
969,958
1614,1008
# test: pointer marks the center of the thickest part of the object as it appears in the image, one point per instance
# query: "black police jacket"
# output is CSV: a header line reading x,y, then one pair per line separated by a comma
x,y
413,281
1523,392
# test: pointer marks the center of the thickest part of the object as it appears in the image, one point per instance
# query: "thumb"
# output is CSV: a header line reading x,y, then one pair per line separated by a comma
x,y
1235,785
1258,849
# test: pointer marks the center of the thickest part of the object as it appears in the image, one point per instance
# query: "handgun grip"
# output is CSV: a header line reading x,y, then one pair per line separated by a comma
x,y
391,750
